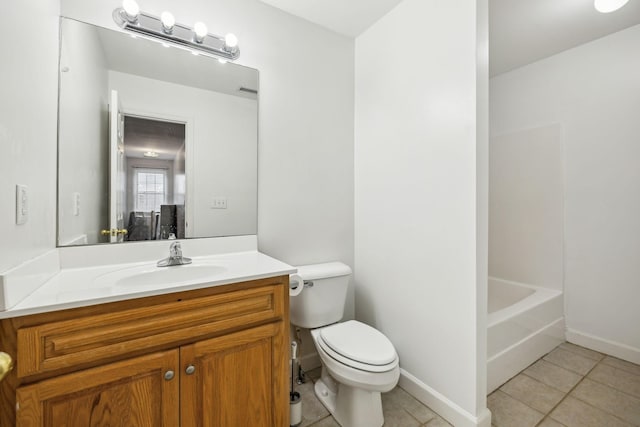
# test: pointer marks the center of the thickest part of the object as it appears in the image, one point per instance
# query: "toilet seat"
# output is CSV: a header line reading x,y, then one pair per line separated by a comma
x,y
358,345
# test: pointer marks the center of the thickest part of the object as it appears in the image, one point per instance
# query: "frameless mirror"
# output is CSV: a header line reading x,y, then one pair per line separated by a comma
x,y
154,142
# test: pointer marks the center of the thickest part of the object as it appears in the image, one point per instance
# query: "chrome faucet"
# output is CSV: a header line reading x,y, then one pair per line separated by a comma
x,y
175,256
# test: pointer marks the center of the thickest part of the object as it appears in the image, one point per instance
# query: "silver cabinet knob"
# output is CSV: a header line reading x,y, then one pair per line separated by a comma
x,y
169,375
190,369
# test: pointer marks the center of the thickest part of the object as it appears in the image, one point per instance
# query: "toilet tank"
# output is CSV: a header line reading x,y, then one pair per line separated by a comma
x,y
325,293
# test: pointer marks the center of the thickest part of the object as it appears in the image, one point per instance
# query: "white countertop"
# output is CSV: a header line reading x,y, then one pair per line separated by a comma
x,y
83,286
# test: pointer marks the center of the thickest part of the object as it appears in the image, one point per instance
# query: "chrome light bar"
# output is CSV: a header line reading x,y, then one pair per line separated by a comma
x,y
167,30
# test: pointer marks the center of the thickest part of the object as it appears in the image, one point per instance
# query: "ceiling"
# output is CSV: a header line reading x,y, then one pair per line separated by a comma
x,y
142,135
520,31
524,31
347,17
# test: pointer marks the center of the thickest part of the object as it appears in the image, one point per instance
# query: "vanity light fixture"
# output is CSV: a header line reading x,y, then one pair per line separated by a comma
x,y
606,6
165,28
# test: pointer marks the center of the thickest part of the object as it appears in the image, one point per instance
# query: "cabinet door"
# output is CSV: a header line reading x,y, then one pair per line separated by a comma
x,y
236,380
129,393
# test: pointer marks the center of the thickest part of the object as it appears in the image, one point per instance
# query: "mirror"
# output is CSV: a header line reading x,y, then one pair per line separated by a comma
x,y
154,142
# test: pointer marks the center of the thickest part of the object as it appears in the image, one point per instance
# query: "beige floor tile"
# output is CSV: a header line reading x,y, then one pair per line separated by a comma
x,y
550,422
326,422
532,392
312,409
553,375
575,413
398,417
623,365
616,378
398,398
509,412
609,400
570,361
591,354
438,422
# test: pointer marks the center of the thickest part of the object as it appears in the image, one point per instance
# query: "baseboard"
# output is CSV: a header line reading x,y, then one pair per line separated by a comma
x,y
310,361
441,405
78,240
612,348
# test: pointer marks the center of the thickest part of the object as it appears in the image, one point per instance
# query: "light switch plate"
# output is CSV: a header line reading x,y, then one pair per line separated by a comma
x,y
22,204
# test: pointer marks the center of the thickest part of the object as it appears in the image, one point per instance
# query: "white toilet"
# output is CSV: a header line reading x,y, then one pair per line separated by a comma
x,y
358,361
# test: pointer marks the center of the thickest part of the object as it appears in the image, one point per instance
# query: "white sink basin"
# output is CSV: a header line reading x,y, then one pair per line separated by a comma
x,y
151,276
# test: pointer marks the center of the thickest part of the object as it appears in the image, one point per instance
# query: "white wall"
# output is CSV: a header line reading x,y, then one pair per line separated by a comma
x,y
420,186
84,151
28,123
526,206
592,91
221,132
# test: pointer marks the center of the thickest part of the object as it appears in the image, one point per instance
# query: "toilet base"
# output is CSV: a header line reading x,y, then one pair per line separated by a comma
x,y
350,406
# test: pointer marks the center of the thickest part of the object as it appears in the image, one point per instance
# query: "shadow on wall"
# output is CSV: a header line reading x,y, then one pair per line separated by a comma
x,y
363,300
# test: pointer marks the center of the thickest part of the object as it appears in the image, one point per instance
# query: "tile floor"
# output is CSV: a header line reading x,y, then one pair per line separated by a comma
x,y
571,387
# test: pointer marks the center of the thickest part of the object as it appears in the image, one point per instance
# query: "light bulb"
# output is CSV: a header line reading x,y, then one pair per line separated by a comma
x,y
606,6
168,21
200,30
230,40
131,9
222,60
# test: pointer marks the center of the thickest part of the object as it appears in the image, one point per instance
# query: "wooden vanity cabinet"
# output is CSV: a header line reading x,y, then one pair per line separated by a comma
x,y
209,357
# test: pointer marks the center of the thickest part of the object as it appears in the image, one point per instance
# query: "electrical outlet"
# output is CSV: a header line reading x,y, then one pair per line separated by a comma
x,y
22,204
219,203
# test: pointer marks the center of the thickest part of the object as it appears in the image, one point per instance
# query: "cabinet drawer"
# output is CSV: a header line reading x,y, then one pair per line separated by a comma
x,y
92,339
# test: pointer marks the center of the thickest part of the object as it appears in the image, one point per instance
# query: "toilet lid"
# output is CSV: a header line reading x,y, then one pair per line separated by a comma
x,y
359,342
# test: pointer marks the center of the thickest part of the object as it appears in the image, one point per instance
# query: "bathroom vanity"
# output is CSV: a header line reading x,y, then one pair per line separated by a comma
x,y
213,352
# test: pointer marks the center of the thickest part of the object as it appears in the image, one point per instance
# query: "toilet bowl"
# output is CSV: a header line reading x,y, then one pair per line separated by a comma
x,y
358,361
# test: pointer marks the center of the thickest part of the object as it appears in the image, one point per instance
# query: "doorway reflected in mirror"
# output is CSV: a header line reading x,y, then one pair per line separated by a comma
x,y
154,152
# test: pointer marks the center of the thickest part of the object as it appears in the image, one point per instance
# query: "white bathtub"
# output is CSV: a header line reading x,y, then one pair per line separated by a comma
x,y
524,323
